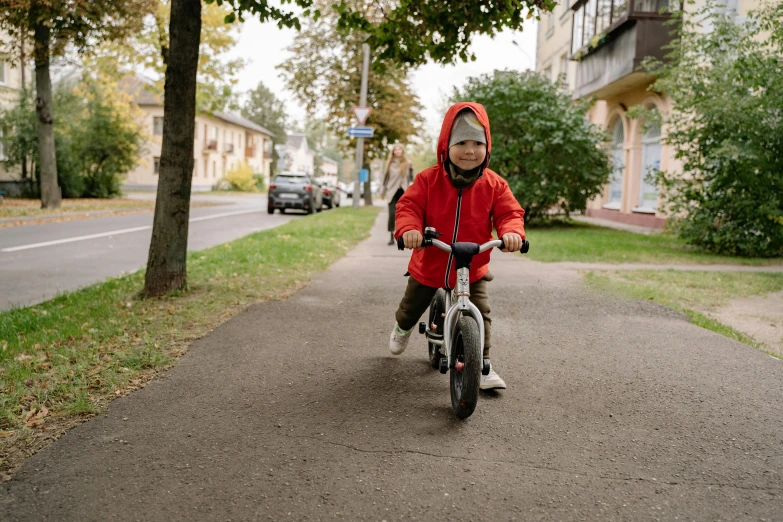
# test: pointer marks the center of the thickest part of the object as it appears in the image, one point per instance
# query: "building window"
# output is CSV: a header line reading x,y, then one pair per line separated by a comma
x,y
548,73
603,16
651,164
156,165
2,69
565,10
618,166
3,157
578,27
214,169
564,68
157,126
550,24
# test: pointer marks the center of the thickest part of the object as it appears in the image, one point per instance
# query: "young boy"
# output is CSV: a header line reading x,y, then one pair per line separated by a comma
x,y
463,200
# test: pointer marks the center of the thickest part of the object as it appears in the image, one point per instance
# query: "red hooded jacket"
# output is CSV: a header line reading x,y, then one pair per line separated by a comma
x,y
432,201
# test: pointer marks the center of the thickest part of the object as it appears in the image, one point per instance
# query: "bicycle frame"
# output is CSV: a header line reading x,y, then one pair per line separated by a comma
x,y
458,302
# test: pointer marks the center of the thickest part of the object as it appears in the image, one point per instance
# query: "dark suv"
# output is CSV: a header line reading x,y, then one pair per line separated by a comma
x,y
294,190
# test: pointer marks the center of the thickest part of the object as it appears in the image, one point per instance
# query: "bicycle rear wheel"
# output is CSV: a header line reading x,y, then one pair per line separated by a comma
x,y
437,309
465,374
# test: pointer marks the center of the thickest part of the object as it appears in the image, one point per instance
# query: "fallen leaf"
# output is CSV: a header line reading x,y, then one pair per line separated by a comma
x,y
6,433
30,414
43,413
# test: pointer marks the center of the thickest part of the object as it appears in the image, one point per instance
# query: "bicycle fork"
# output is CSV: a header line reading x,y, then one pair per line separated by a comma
x,y
454,311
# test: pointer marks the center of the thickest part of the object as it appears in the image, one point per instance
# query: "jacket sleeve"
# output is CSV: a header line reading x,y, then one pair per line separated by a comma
x,y
411,207
507,215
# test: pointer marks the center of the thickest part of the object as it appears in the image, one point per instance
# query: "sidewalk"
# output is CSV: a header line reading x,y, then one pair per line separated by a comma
x,y
294,410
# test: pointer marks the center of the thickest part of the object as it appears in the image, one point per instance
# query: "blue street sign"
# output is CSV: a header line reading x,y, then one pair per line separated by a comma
x,y
364,175
361,132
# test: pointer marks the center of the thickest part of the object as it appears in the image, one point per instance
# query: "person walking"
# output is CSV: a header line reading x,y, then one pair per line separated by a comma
x,y
398,175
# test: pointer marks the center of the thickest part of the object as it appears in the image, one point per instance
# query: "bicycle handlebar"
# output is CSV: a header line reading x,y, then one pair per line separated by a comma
x,y
448,248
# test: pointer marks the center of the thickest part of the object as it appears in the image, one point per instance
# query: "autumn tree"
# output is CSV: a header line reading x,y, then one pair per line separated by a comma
x,y
149,50
325,73
264,108
409,32
56,25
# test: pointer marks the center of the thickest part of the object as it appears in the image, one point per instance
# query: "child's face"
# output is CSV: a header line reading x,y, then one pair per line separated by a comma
x,y
468,154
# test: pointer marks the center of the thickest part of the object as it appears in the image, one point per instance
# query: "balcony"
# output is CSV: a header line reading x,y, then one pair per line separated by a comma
x,y
210,146
611,38
250,152
228,148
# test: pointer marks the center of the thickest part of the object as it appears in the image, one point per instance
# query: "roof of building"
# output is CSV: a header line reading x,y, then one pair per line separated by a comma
x,y
295,141
139,88
236,119
327,159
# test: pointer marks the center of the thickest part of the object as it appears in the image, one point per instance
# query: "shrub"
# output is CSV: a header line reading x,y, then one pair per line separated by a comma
x,y
542,145
727,86
241,178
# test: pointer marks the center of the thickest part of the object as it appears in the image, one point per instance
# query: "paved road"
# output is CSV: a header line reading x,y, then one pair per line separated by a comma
x,y
294,410
38,261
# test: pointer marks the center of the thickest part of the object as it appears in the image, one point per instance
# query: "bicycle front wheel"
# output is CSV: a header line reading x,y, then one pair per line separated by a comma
x,y
465,374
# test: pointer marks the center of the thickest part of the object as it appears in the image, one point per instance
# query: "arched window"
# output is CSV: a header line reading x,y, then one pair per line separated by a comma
x,y
618,164
651,164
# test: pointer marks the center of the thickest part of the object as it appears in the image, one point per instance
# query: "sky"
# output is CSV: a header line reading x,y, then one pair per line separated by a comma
x,y
263,47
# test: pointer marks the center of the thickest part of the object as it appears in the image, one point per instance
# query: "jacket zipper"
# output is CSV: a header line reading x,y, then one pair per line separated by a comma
x,y
453,239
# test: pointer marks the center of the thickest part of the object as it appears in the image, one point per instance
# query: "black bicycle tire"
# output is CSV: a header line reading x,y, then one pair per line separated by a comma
x,y
437,308
465,385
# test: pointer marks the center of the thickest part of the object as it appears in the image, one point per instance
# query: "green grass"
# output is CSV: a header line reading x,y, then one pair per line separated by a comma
x,y
73,353
584,243
690,291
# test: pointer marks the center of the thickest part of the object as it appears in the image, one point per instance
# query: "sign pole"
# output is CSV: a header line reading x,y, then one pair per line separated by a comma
x,y
360,141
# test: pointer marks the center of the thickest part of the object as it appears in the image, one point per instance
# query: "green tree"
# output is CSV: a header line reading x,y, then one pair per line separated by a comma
x,y
166,265
97,137
727,87
55,25
550,156
148,49
266,109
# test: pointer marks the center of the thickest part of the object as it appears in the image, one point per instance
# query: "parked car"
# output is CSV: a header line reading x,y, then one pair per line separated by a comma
x,y
294,190
331,195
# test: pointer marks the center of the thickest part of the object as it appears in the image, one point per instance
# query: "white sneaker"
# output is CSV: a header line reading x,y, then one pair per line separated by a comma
x,y
492,381
399,340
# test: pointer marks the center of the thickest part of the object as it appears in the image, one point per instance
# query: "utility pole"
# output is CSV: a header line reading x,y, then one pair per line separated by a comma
x,y
360,141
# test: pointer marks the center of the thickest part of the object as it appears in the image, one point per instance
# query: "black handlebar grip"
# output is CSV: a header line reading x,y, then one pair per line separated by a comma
x,y
523,250
400,243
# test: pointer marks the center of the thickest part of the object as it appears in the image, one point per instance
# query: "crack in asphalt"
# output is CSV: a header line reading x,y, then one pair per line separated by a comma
x,y
537,467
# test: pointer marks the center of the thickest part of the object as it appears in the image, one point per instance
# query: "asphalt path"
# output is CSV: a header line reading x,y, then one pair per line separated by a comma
x,y
616,409
39,261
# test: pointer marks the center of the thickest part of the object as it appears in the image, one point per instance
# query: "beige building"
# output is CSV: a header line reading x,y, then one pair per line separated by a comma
x,y
596,48
223,142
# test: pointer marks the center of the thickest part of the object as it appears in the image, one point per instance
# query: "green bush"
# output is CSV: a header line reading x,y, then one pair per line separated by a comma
x,y
550,155
97,137
727,87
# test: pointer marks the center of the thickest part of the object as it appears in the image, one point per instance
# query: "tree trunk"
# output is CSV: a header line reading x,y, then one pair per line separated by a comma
x,y
166,265
50,190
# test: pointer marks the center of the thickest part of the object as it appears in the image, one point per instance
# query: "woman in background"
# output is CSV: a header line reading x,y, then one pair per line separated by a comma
x,y
398,175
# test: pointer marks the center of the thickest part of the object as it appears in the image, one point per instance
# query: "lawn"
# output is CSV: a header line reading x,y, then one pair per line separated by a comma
x,y
69,356
583,243
692,292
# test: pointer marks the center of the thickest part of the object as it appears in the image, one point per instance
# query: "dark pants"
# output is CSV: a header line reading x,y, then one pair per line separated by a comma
x,y
418,296
393,208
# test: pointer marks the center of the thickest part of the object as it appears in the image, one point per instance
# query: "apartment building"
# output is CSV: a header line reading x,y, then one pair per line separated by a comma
x,y
596,47
222,142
